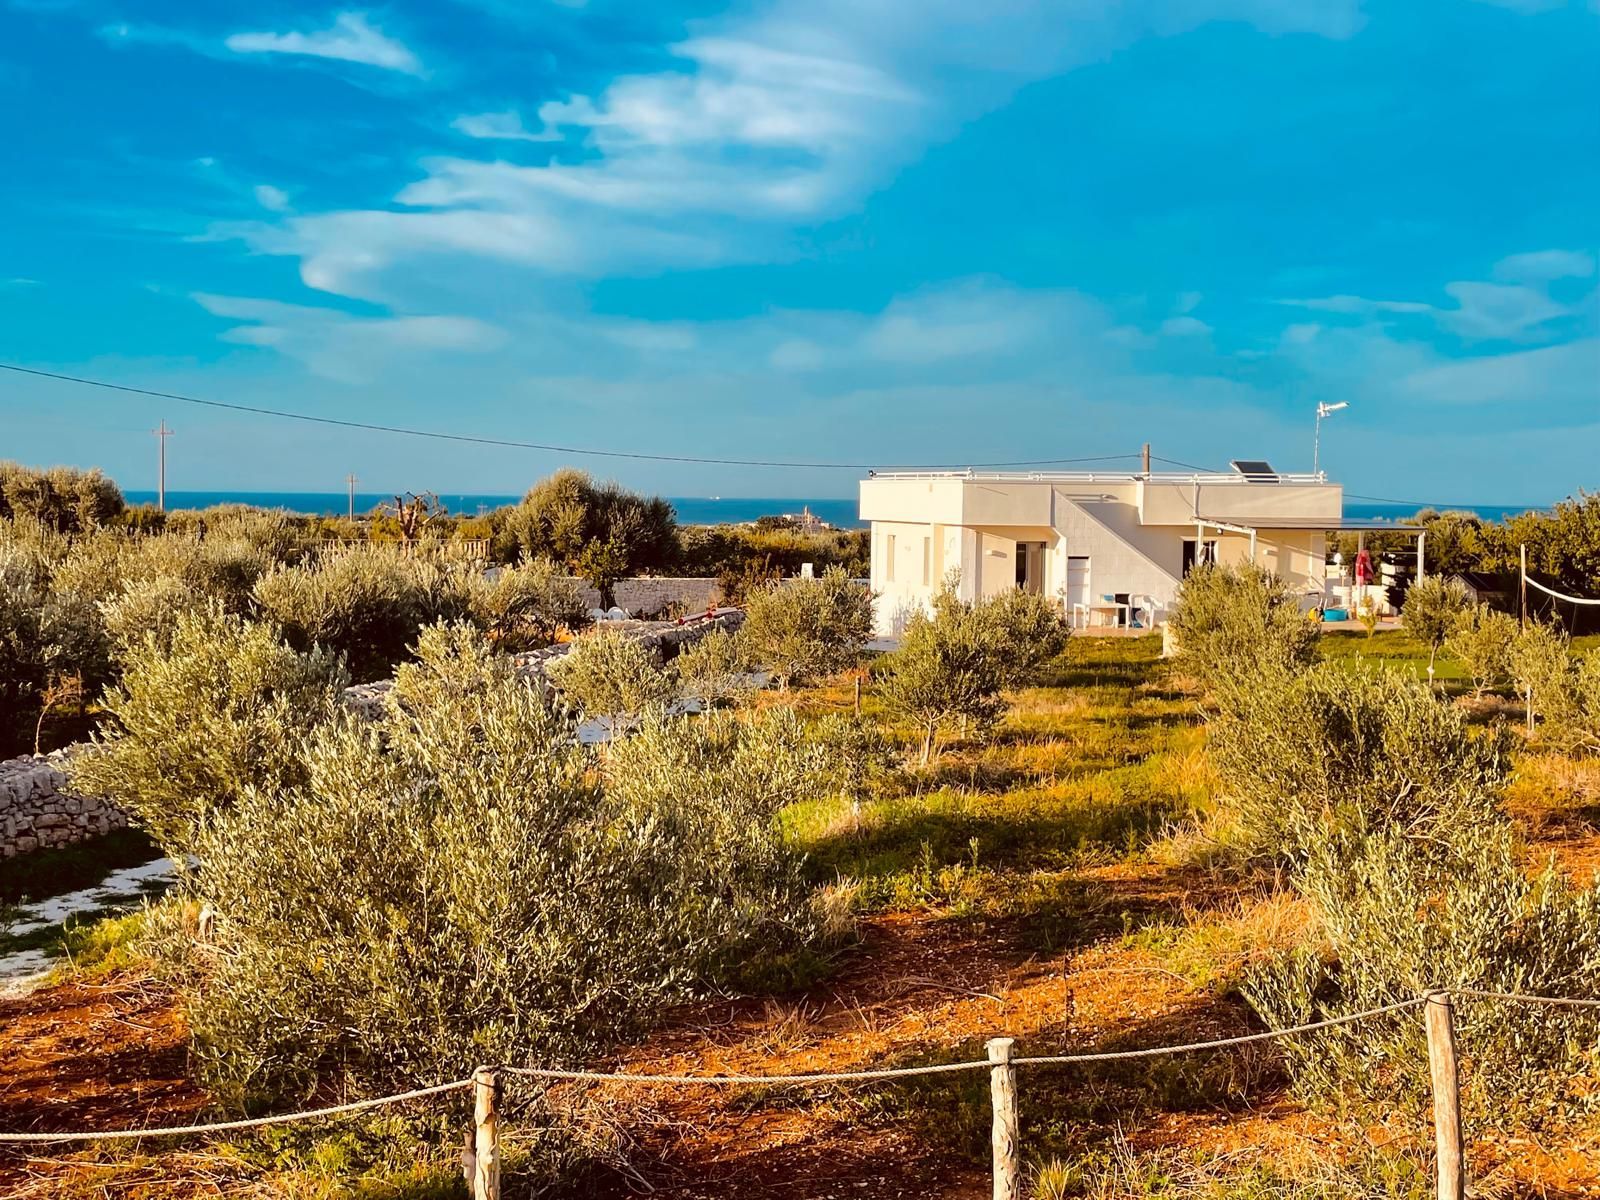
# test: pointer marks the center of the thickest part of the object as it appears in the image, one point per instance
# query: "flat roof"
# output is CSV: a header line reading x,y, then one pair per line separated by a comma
x,y
1229,477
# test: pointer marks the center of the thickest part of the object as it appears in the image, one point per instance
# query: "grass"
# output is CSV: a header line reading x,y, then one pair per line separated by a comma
x,y
69,868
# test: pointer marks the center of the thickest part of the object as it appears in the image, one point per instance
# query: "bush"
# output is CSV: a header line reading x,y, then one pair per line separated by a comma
x,y
1540,665
609,674
945,670
367,605
459,885
713,669
1331,752
1237,623
1430,611
63,499
148,608
525,606
1572,723
1395,923
807,628
1026,631
200,720
45,636
1482,640
602,531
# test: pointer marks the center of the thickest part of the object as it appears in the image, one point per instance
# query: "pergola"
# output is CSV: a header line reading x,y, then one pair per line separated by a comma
x,y
1314,525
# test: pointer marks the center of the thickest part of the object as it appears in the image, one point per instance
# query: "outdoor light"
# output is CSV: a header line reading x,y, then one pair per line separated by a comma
x,y
1323,409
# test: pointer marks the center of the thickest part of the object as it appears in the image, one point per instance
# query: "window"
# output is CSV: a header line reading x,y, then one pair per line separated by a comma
x,y
927,560
1207,553
888,558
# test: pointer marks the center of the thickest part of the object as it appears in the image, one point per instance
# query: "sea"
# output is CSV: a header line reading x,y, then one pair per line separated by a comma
x,y
840,512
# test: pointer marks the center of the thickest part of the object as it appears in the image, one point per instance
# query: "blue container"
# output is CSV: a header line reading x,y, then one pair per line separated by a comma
x,y
1335,614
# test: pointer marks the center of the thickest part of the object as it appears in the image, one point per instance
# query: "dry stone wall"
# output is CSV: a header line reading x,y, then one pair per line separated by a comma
x,y
38,811
649,596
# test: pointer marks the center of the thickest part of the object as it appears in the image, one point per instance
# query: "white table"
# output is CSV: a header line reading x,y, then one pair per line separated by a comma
x,y
1112,608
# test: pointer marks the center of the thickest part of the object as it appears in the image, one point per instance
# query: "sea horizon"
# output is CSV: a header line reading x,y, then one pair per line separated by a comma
x,y
840,512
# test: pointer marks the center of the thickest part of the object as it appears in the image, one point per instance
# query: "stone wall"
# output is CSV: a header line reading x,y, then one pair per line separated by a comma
x,y
649,596
38,811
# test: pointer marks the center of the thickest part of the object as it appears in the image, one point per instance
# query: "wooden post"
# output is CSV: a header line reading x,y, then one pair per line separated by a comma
x,y
858,697
1003,1092
1446,1078
486,1138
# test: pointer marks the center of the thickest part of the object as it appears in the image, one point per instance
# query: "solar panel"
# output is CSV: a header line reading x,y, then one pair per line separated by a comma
x,y
1254,469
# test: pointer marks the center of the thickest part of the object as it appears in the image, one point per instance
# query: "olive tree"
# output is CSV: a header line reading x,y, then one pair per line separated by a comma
x,y
1236,623
203,715
608,674
804,629
462,882
1482,639
1430,611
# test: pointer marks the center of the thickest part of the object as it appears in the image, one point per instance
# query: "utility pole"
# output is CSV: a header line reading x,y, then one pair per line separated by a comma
x,y
1144,456
350,482
161,435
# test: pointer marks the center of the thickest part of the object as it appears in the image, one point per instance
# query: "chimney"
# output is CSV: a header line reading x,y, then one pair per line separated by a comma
x,y
1146,458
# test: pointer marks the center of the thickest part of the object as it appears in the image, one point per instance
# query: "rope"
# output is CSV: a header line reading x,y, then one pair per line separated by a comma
x,y
1110,1055
1563,1001
1558,595
225,1126
821,1077
944,1068
812,1078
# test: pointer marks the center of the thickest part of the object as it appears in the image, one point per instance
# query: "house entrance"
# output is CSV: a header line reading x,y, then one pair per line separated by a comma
x,y
1030,566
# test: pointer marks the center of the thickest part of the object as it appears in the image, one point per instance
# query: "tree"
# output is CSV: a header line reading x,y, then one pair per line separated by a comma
x,y
1236,623
609,674
601,531
1431,609
200,720
803,629
1541,667
525,606
944,670
45,635
713,669
1482,639
953,664
63,499
465,883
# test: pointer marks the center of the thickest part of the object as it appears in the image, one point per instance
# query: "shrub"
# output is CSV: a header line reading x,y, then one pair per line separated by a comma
x,y
367,605
1395,923
147,608
459,885
602,531
199,721
807,628
1430,611
947,668
1027,630
1482,639
1236,623
608,674
1574,721
45,636
63,499
713,669
1301,758
525,606
1540,665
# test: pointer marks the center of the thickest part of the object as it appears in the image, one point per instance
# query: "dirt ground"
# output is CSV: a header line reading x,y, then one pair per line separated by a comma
x,y
919,988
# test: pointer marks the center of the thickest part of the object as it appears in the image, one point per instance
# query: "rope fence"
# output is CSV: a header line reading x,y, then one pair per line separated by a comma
x,y
484,1163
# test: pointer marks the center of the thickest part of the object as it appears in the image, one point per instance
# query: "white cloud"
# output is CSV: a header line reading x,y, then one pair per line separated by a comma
x,y
351,39
1359,305
503,126
271,198
1543,266
787,114
342,347
1184,327
1496,311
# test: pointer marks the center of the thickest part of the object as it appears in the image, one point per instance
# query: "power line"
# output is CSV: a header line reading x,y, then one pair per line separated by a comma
x,y
489,441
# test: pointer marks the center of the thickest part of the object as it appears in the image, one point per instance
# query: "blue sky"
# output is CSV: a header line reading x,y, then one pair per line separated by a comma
x,y
865,230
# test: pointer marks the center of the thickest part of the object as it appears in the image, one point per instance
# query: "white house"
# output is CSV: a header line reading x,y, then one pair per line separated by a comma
x,y
1112,547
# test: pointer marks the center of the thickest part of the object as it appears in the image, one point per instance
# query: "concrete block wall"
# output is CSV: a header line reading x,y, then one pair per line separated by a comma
x,y
38,811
